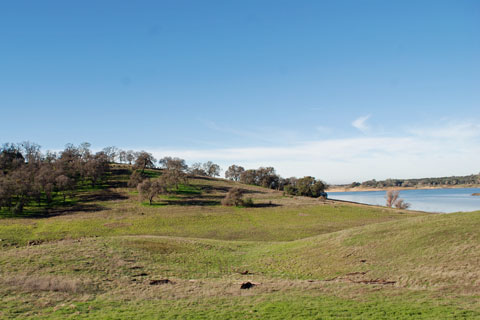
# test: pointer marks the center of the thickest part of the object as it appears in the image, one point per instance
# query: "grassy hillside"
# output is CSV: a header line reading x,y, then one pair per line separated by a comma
x,y
308,259
439,252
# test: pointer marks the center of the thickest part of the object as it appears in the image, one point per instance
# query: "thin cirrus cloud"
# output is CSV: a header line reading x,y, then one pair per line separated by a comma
x,y
361,123
411,154
268,135
455,130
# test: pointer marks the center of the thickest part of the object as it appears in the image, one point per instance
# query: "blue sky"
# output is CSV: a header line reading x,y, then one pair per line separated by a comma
x,y
342,90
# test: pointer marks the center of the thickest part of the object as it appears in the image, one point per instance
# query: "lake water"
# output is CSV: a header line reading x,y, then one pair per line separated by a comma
x,y
430,200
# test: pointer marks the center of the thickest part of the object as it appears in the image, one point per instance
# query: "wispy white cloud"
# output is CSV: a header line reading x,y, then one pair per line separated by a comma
x,y
449,130
450,149
361,123
266,134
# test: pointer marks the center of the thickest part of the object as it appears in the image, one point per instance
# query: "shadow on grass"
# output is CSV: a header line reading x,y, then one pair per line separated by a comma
x,y
203,202
78,207
46,212
150,173
182,202
193,202
188,190
201,178
102,195
211,189
83,202
118,184
265,205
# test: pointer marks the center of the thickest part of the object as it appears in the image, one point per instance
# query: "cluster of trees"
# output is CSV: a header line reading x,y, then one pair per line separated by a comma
x,y
268,178
264,176
174,173
143,160
422,182
167,183
208,169
27,175
306,186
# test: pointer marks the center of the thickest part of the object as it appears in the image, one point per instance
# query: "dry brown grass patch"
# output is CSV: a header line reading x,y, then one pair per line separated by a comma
x,y
47,283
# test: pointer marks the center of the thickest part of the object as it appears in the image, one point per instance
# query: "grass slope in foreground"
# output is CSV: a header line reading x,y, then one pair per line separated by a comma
x,y
309,259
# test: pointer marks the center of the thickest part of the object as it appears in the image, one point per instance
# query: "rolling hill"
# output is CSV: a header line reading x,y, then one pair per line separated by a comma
x,y
112,256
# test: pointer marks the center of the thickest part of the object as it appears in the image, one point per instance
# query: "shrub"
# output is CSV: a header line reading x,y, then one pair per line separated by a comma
x,y
248,202
401,204
234,198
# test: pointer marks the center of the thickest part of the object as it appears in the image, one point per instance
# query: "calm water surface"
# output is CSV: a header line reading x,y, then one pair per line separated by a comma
x,y
430,200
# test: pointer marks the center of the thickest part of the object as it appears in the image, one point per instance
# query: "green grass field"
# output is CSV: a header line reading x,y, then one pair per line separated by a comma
x,y
308,259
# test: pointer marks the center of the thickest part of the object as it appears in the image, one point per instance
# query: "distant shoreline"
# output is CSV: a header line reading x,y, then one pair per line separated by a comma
x,y
360,189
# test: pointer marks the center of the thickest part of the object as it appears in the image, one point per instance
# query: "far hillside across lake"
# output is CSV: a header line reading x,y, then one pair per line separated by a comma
x,y
429,200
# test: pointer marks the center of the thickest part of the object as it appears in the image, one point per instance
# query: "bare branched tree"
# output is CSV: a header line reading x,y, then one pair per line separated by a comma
x,y
234,172
393,199
144,160
197,170
170,163
212,169
149,189
112,153
391,196
130,156
165,184
65,186
173,178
